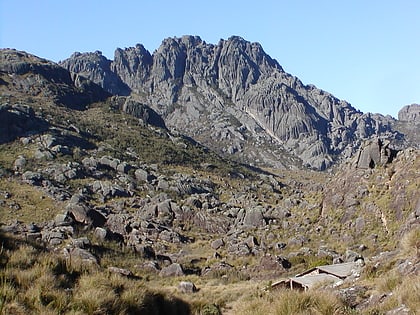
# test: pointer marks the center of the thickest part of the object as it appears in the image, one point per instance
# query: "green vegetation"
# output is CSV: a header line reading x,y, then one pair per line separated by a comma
x,y
36,280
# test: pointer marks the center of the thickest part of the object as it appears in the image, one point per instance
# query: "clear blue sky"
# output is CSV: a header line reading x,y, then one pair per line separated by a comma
x,y
364,51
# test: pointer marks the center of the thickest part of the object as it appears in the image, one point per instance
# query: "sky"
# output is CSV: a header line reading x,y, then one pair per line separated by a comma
x,y
366,52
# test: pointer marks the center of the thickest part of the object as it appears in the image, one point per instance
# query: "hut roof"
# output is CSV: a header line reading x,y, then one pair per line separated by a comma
x,y
309,281
340,270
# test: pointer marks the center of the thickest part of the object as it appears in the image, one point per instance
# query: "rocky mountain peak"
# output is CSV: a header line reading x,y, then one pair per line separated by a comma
x,y
39,76
410,113
233,98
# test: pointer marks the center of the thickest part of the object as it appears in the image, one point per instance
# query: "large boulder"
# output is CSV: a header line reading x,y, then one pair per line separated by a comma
x,y
173,270
254,217
82,213
187,287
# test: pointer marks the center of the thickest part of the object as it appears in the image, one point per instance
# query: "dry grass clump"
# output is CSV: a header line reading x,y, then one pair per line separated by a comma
x,y
34,281
408,292
405,294
285,302
410,243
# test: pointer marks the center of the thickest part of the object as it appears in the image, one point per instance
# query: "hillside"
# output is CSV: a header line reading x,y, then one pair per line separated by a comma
x,y
101,197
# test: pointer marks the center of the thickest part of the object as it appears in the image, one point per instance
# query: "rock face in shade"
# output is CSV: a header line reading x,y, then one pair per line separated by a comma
x,y
97,68
237,100
37,76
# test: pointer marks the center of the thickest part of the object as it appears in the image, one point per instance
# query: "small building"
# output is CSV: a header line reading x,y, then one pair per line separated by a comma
x,y
309,281
328,274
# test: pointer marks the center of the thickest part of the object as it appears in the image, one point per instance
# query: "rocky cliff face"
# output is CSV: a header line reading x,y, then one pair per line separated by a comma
x,y
235,98
410,113
21,71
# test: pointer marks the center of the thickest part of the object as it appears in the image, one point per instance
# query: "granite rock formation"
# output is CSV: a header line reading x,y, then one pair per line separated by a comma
x,y
410,113
234,98
37,76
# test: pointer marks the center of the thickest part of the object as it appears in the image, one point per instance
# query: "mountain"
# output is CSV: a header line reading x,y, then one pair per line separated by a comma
x,y
36,76
106,204
238,101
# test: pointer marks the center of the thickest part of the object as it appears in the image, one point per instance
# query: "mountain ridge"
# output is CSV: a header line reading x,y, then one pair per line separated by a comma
x,y
107,187
233,90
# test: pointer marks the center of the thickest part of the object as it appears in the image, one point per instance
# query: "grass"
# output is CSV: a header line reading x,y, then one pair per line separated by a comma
x,y
35,281
287,302
33,204
410,243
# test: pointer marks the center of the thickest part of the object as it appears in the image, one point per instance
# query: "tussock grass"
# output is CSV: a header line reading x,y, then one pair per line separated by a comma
x,y
34,281
287,302
410,243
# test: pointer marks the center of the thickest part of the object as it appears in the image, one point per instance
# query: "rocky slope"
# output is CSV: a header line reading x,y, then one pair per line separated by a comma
x,y
234,98
36,76
107,183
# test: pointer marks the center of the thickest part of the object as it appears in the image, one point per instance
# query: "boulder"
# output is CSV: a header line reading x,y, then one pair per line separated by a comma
x,y
119,223
239,249
82,213
40,154
33,178
217,268
110,162
121,271
64,219
80,254
100,233
123,167
144,176
187,287
145,251
143,112
57,235
19,163
47,141
216,244
173,270
375,152
81,242
90,163
254,217
107,189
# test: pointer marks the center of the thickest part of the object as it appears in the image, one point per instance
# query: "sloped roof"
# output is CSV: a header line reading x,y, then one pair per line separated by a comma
x,y
340,270
311,280
328,273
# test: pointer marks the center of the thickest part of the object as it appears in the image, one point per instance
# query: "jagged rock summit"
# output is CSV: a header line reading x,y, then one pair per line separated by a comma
x,y
410,113
38,76
236,99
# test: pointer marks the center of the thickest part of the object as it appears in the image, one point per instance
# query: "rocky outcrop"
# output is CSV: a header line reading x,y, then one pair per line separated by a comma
x,y
410,113
19,120
233,97
139,110
97,68
375,153
36,76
